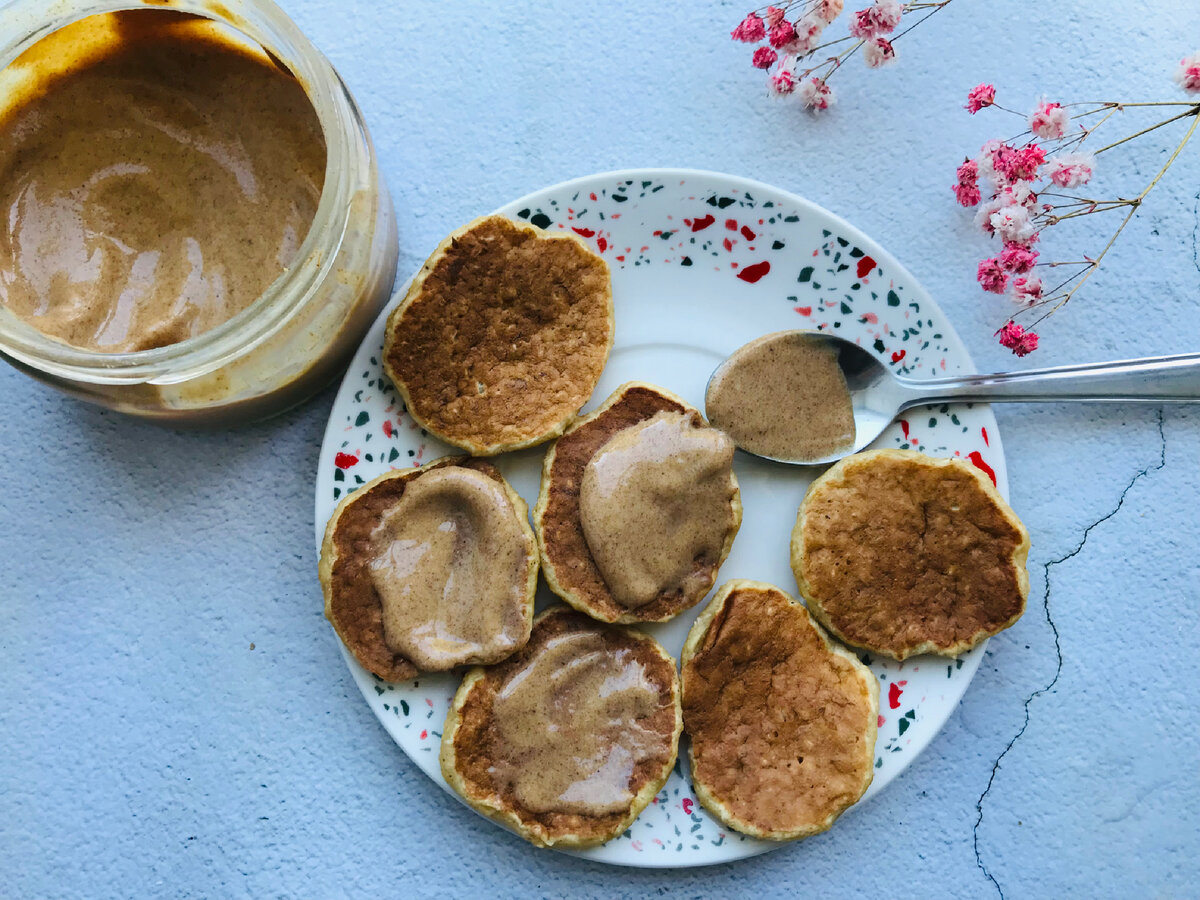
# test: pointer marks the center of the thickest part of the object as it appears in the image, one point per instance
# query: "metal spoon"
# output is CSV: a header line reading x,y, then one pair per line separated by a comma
x,y
878,396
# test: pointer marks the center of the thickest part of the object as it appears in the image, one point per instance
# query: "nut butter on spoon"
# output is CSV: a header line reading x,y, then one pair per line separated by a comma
x,y
809,398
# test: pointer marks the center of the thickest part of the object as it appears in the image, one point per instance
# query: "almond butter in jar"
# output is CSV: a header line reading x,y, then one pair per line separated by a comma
x,y
196,229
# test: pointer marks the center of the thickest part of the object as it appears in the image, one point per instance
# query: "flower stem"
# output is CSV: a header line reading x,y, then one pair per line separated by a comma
x,y
1192,111
1087,133
912,6
1103,206
1133,206
1113,103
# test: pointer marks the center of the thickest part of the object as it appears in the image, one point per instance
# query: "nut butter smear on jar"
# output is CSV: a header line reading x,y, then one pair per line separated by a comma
x,y
154,180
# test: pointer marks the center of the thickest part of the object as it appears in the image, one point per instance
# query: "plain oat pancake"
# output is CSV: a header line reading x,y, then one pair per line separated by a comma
x,y
567,740
901,554
502,336
638,508
431,568
782,721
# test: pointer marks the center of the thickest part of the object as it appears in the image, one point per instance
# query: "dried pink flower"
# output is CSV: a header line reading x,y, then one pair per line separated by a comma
x,y
1049,120
879,18
1027,291
992,276
1017,258
1071,169
1017,339
983,216
1014,165
764,58
828,10
862,25
807,30
815,94
888,14
1003,161
1019,193
967,194
1187,76
986,161
783,82
1013,223
782,34
750,31
967,188
775,16
878,52
980,96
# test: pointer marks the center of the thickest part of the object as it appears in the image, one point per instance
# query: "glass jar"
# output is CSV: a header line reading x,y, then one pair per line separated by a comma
x,y
302,330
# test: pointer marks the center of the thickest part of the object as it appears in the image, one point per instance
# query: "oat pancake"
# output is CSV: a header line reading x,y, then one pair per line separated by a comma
x,y
431,568
901,554
502,336
782,721
567,740
663,557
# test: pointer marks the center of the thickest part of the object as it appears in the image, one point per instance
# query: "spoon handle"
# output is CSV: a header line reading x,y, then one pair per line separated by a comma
x,y
1169,379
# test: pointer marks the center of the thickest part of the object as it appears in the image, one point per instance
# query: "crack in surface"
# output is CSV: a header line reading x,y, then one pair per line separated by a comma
x,y
1142,473
1196,233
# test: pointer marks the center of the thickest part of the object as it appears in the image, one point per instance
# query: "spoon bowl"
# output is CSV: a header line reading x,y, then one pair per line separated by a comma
x,y
877,396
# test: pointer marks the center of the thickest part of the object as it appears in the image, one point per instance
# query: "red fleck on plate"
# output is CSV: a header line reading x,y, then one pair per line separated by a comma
x,y
701,264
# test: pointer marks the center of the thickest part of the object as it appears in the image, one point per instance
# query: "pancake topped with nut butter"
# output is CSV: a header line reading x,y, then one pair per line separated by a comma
x,y
782,721
427,569
567,740
901,554
502,336
638,508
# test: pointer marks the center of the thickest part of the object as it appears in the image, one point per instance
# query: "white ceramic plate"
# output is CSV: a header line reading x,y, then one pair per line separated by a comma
x,y
701,264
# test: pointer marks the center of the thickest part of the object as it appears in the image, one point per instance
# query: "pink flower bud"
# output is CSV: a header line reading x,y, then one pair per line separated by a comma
x,y
980,96
1017,258
1049,120
815,94
1187,76
878,52
1017,339
1027,291
750,31
782,83
782,34
764,58
992,276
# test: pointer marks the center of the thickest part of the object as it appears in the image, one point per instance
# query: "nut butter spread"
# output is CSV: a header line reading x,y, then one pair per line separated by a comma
x,y
783,396
567,726
153,188
654,499
449,565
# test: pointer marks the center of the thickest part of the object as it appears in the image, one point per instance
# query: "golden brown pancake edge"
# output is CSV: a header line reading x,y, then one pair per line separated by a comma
x,y
497,442
836,475
361,629
580,833
567,563
708,796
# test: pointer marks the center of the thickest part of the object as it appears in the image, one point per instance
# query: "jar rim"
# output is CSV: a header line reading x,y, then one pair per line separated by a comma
x,y
264,23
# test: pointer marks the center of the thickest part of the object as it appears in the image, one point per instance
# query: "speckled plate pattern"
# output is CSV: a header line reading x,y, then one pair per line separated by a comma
x,y
701,264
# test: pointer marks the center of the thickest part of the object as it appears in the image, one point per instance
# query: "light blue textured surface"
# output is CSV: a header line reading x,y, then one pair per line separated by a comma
x,y
146,750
